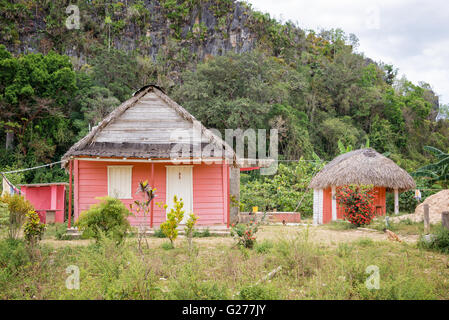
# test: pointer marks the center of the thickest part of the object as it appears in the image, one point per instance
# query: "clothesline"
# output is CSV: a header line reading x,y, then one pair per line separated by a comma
x,y
33,168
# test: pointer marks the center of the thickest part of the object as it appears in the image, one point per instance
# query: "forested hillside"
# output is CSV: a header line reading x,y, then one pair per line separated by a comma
x,y
230,66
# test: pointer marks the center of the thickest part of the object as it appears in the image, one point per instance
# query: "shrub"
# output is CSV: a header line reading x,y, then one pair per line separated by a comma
x,y
357,202
61,231
109,216
245,234
189,286
201,234
439,241
174,217
189,228
33,228
259,292
264,247
159,234
18,207
13,254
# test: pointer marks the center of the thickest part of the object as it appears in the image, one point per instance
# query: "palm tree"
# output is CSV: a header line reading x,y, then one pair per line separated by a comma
x,y
437,172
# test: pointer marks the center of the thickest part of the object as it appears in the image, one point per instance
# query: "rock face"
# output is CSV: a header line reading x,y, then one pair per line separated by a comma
x,y
204,28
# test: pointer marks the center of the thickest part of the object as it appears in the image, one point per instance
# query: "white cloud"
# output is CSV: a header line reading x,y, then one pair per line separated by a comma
x,y
410,34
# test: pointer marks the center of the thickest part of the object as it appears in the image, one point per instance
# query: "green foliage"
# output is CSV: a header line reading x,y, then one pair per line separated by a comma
x,y
33,229
18,208
357,202
190,287
158,233
437,172
13,257
108,217
287,190
4,214
259,292
174,218
439,240
264,246
61,231
245,234
201,234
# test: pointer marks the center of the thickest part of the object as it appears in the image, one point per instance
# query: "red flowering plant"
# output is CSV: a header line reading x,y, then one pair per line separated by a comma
x,y
245,234
358,203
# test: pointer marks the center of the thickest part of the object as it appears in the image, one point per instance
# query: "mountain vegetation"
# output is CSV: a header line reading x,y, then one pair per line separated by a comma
x,y
229,65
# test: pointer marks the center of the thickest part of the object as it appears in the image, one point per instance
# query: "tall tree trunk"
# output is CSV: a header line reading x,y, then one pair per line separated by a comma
x,y
9,139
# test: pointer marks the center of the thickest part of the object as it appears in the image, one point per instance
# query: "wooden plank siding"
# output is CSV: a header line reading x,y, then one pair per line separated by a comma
x,y
150,121
209,200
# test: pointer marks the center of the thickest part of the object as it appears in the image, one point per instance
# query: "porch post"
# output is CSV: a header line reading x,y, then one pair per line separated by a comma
x,y
152,202
70,194
396,201
334,204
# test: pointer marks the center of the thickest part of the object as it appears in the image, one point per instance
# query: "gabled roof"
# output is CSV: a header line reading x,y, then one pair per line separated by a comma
x,y
363,167
148,125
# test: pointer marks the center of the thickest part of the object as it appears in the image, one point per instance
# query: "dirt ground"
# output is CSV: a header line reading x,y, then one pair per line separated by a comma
x,y
319,234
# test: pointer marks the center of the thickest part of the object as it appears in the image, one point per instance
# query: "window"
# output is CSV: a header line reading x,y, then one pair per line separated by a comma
x,y
119,182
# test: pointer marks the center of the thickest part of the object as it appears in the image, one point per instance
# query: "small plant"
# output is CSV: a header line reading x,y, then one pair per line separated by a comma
x,y
109,217
357,202
201,234
189,228
259,292
245,234
61,232
159,234
18,207
174,218
438,241
264,246
143,207
33,230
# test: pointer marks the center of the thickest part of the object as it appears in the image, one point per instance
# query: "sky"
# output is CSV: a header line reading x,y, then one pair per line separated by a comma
x,y
412,35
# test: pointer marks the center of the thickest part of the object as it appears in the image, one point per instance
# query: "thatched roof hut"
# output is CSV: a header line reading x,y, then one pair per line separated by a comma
x,y
363,167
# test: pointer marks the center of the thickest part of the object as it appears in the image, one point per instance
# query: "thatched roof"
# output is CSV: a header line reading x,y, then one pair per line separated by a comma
x,y
141,127
363,167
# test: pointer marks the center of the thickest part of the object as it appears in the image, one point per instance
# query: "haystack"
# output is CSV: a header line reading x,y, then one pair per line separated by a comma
x,y
438,203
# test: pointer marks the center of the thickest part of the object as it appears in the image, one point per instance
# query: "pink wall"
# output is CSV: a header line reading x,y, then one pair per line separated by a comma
x,y
209,200
43,198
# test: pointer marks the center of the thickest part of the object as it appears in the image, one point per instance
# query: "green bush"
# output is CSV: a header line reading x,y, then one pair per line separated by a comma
x,y
18,207
61,231
159,234
439,240
259,292
188,286
264,246
108,217
13,255
201,234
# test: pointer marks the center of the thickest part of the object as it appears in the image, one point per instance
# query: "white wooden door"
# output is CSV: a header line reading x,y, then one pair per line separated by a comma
x,y
180,183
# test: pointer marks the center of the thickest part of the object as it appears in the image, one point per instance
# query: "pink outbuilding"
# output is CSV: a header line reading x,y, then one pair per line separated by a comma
x,y
150,137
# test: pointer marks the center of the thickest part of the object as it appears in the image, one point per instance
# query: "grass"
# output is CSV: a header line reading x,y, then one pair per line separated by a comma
x,y
216,269
404,227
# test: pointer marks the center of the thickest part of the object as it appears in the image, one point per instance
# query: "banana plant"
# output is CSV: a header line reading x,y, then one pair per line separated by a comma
x,y
437,172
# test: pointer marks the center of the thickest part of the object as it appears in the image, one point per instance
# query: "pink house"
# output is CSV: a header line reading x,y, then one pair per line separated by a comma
x,y
151,137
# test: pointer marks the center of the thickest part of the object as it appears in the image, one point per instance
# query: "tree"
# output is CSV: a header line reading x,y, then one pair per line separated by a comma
x,y
437,172
32,87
